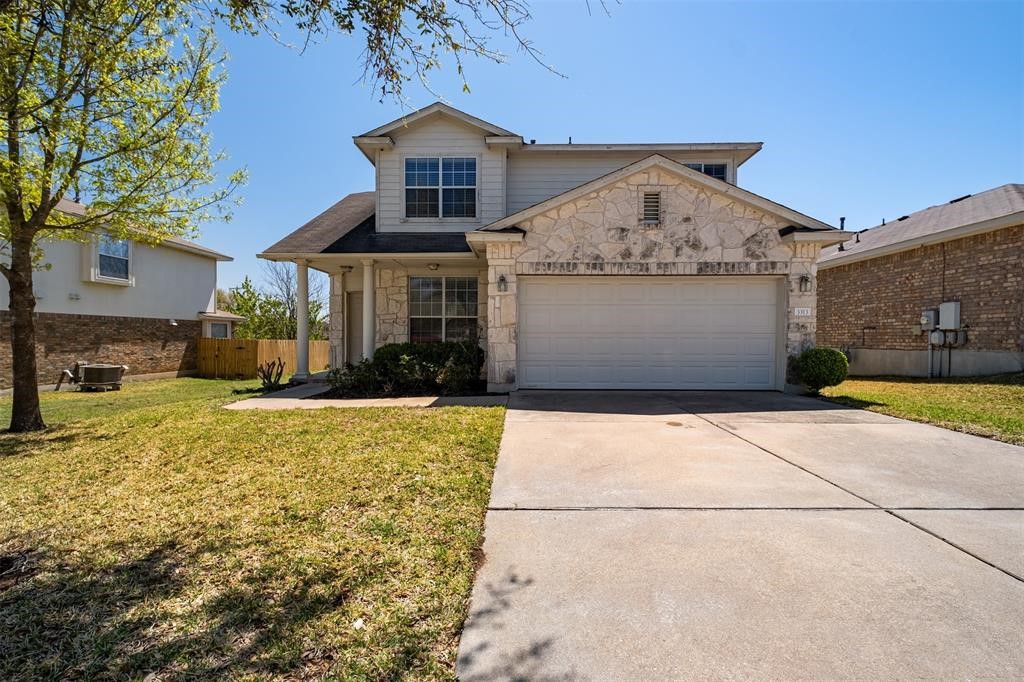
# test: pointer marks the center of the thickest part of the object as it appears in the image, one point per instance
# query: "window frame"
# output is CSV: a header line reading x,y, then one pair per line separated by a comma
x,y
440,187
95,273
728,168
444,316
216,325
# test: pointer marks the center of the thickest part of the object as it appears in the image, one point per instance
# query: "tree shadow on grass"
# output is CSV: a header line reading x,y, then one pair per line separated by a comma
x,y
26,444
149,612
853,402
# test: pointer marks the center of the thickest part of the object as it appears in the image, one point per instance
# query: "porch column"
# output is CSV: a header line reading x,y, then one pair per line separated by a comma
x,y
337,330
369,309
301,321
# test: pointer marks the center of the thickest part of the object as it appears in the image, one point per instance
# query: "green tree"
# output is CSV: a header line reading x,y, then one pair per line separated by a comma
x,y
105,99
405,39
270,316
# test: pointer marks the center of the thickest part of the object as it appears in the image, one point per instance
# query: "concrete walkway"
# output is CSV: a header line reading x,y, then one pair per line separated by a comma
x,y
301,398
744,536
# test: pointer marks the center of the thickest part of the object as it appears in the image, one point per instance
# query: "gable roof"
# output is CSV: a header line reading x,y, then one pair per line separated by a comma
x,y
656,160
430,110
329,226
76,208
992,209
741,151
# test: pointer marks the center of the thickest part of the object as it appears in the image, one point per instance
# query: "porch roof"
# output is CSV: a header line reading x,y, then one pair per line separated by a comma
x,y
365,239
329,227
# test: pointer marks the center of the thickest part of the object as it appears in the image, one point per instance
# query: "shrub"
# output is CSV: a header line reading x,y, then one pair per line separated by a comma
x,y
403,368
821,367
270,373
356,380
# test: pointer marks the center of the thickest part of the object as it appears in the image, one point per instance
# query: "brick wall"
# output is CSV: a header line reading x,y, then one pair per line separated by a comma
x,y
875,303
146,345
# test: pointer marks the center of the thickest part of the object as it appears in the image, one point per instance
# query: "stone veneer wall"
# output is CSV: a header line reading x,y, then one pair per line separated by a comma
x,y
146,345
392,301
336,320
702,232
392,305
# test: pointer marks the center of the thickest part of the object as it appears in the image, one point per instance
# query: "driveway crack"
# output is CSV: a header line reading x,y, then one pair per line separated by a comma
x,y
892,511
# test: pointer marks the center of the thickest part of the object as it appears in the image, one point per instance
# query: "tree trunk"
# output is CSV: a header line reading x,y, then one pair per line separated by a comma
x,y
25,414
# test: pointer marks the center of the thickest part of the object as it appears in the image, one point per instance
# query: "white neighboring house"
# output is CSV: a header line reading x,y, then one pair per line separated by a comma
x,y
632,266
121,302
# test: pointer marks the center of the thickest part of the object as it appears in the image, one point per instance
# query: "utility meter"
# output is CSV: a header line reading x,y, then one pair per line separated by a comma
x,y
929,319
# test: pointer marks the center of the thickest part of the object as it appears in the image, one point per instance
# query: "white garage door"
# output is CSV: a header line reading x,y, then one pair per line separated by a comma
x,y
653,333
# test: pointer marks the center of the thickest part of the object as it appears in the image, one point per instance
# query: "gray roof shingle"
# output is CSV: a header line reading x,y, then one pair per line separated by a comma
x,y
970,210
330,226
76,208
365,239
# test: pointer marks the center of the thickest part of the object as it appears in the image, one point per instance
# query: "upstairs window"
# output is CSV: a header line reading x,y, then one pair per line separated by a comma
x,y
715,170
442,309
114,257
440,187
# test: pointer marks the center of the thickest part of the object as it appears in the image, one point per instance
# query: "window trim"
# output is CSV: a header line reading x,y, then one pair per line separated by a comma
x,y
227,330
444,317
93,268
440,188
729,177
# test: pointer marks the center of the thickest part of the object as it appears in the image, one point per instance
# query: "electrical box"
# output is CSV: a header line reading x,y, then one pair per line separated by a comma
x,y
949,315
937,338
929,319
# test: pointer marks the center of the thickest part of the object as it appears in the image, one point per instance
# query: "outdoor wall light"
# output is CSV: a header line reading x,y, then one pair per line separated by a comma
x,y
173,323
432,266
502,283
805,284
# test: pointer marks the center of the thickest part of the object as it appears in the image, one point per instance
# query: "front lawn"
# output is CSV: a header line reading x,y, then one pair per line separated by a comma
x,y
156,533
985,406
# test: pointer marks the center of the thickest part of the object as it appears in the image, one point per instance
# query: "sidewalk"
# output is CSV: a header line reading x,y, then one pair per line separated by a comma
x,y
300,398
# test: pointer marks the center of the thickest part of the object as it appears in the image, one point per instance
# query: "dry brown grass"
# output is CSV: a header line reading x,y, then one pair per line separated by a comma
x,y
176,538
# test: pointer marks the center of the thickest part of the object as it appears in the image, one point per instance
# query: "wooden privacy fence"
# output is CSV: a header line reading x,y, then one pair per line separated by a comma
x,y
238,358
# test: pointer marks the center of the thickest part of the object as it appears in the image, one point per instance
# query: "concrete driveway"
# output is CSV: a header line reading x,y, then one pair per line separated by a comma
x,y
637,535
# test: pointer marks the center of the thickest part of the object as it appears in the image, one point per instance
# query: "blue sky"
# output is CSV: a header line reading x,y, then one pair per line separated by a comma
x,y
866,110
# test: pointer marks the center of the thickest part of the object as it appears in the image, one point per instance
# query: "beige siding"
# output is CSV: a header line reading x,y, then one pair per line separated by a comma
x,y
534,177
439,137
168,284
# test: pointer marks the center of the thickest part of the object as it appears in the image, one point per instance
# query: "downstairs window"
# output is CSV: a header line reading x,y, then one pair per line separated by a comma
x,y
442,309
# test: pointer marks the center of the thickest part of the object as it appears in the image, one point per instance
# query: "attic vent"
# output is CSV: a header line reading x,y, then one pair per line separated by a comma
x,y
652,208
966,196
902,217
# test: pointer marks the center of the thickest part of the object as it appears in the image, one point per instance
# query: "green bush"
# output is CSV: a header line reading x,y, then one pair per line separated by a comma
x,y
820,367
410,368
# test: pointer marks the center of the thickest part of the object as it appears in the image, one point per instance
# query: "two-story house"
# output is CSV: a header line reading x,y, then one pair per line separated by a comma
x,y
633,266
119,301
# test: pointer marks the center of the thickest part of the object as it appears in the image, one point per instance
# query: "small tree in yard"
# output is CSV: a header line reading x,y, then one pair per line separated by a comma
x,y
270,315
106,99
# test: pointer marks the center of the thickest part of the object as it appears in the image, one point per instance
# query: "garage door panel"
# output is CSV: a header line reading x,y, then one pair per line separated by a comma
x,y
638,332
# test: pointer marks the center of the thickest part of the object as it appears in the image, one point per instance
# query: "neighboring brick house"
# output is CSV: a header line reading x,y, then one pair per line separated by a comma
x,y
873,292
628,266
116,301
